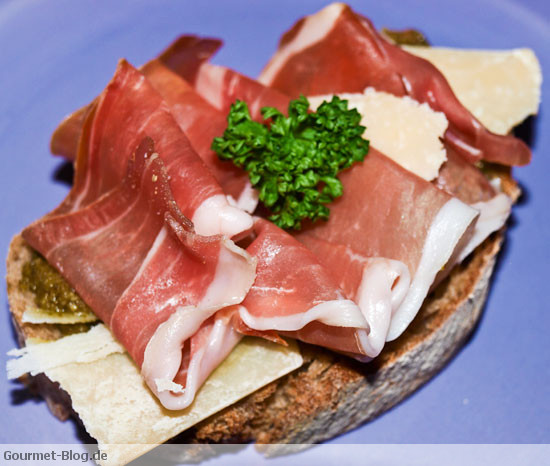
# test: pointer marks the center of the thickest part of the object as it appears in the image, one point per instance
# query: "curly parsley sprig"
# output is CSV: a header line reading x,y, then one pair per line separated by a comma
x,y
294,161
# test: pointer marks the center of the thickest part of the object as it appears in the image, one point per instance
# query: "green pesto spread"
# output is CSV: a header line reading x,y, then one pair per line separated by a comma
x,y
406,37
71,329
52,294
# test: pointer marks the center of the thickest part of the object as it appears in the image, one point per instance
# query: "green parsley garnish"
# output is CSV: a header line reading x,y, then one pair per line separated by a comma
x,y
293,161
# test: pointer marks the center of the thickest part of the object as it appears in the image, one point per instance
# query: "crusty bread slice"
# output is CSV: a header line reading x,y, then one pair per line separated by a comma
x,y
330,394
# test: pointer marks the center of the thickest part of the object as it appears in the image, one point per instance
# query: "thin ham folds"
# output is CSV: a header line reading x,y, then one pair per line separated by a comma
x,y
337,50
129,109
201,123
196,117
389,223
295,295
419,228
161,303
221,86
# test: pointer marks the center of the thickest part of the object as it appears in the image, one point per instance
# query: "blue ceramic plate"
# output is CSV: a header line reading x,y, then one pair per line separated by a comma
x,y
57,55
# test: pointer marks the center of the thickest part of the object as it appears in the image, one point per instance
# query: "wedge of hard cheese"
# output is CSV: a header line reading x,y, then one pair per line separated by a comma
x,y
500,87
109,394
401,128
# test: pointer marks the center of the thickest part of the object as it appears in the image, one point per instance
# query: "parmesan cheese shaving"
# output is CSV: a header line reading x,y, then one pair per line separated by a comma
x,y
95,344
115,405
127,420
500,87
401,128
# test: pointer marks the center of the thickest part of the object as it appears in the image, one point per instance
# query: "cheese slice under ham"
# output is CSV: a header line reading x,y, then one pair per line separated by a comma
x,y
337,50
137,262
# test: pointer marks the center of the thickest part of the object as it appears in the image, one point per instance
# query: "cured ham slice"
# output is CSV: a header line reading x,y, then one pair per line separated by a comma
x,y
294,295
221,86
160,303
201,123
388,214
126,111
337,50
360,282
186,52
196,117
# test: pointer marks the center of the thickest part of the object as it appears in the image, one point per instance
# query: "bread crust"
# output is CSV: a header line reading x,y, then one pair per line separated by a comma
x,y
330,394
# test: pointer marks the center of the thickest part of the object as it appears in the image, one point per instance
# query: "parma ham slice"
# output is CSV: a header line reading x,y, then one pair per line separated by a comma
x,y
201,123
295,295
160,303
388,214
129,109
361,281
337,50
196,117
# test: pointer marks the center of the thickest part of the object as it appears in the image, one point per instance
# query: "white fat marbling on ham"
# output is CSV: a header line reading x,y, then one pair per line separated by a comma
x,y
492,217
163,354
231,277
338,313
216,340
248,200
444,234
312,30
216,216
384,285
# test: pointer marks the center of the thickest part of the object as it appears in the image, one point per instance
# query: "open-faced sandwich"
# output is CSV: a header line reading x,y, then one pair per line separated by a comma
x,y
275,260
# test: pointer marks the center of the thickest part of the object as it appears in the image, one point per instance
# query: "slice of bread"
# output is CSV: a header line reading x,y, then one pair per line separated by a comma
x,y
329,394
